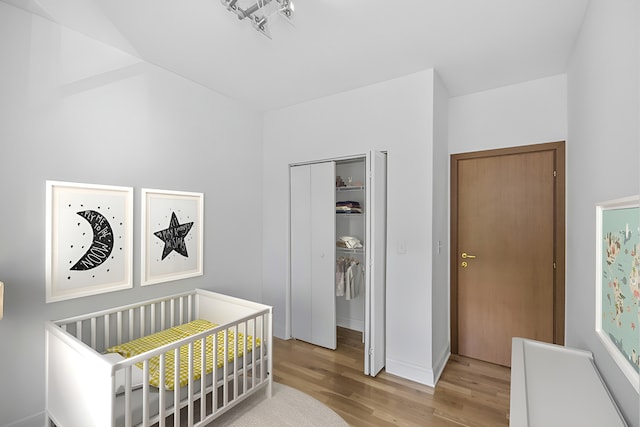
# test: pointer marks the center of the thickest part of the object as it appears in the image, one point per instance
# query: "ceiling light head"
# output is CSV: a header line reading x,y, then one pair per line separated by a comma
x,y
286,9
258,11
260,24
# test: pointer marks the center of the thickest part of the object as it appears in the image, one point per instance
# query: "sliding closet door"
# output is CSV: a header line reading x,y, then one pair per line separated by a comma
x,y
313,254
376,263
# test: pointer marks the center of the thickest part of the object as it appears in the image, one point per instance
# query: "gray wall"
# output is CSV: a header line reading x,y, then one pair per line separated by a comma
x,y
73,109
603,157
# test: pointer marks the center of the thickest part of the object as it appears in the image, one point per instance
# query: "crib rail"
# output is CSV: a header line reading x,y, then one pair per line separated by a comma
x,y
103,329
83,339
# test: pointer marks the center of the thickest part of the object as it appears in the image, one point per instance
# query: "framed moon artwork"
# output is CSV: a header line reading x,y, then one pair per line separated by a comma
x,y
172,234
618,282
88,239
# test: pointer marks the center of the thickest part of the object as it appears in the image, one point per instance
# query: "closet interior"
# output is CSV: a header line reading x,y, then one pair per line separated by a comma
x,y
351,244
337,252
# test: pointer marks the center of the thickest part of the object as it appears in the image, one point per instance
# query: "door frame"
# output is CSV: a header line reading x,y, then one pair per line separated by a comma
x,y
369,354
559,230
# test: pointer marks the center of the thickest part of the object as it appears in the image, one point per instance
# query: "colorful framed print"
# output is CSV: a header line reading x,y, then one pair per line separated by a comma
x,y
88,239
618,282
172,233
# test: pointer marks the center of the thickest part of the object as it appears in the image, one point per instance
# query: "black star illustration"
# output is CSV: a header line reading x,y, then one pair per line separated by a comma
x,y
173,237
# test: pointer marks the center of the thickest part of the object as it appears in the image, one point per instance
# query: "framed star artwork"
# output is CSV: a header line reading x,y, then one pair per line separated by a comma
x,y
618,282
88,239
172,234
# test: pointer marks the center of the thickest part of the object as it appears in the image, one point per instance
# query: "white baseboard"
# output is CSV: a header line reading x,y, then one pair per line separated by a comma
x,y
37,420
411,372
441,363
353,324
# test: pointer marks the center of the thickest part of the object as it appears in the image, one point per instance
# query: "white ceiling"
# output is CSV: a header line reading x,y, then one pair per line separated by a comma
x,y
335,45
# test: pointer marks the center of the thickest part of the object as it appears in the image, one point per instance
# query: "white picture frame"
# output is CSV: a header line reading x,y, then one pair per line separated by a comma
x,y
89,231
171,235
618,283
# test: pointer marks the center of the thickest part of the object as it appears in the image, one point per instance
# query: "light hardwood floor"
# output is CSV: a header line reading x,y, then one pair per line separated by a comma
x,y
469,393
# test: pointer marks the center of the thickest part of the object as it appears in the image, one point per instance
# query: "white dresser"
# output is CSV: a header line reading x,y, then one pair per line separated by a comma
x,y
552,385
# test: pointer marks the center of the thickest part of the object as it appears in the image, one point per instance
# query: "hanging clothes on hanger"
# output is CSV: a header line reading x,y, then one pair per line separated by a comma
x,y
353,279
349,277
340,270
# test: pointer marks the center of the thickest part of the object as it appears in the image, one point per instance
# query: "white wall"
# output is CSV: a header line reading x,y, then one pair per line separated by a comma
x,y
394,116
528,113
440,306
73,109
603,153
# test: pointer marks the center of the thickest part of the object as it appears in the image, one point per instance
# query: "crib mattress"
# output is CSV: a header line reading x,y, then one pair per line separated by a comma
x,y
153,341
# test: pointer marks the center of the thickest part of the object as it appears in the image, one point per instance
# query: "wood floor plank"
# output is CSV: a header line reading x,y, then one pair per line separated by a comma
x,y
470,392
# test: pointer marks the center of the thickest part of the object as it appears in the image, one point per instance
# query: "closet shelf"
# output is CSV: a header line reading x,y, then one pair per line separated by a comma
x,y
351,251
351,188
348,214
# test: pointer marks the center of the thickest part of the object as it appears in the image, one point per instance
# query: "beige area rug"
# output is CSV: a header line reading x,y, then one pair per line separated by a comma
x,y
287,407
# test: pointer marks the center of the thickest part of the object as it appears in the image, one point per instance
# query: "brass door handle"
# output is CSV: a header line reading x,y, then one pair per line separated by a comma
x,y
466,255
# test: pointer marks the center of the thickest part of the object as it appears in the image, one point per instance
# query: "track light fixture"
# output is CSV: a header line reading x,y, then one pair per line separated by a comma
x,y
260,11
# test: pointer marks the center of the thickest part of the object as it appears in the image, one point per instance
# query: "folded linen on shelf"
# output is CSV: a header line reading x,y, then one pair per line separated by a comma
x,y
348,206
349,242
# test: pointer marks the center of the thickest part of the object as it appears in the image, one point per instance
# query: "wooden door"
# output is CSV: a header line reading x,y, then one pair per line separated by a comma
x,y
507,249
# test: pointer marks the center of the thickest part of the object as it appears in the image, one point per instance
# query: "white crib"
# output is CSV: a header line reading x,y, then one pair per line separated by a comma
x,y
85,387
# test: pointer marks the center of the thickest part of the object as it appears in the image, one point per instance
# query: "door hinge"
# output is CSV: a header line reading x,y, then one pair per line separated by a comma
x,y
554,265
555,174
370,351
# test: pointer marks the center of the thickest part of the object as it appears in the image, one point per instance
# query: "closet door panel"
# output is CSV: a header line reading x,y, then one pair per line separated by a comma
x,y
376,263
300,247
322,227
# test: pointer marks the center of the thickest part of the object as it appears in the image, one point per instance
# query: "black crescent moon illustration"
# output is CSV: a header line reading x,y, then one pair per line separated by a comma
x,y
102,243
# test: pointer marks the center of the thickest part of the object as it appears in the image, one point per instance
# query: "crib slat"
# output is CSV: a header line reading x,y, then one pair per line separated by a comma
x,y
119,328
181,320
176,387
79,330
131,322
173,312
189,308
127,397
107,330
203,380
142,321
92,338
225,394
190,385
253,354
162,315
214,378
145,393
153,318
162,400
244,357
235,362
263,367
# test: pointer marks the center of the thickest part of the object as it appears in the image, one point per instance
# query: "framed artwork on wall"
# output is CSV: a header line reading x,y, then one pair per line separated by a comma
x,y
618,282
88,239
172,233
